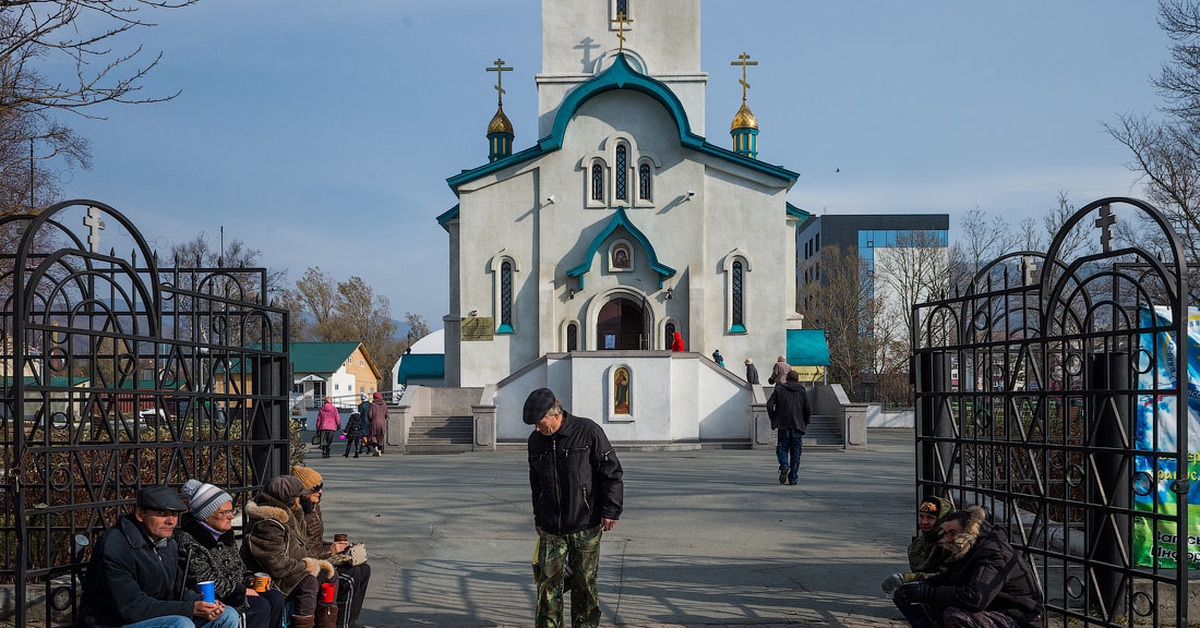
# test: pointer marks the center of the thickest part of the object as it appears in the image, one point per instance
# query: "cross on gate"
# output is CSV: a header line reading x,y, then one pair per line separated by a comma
x,y
621,21
743,60
499,69
95,225
1028,269
1105,222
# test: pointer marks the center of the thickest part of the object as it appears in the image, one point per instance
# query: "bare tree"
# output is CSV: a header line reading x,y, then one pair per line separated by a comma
x,y
316,294
417,328
913,271
843,306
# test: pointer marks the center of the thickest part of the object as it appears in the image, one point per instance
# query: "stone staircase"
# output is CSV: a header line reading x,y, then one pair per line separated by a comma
x,y
824,433
440,434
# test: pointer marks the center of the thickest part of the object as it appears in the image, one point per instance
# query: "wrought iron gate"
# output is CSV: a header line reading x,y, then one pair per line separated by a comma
x,y
1029,389
117,373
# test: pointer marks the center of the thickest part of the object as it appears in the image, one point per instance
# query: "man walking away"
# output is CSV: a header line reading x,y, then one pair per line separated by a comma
x,y
751,372
790,413
577,490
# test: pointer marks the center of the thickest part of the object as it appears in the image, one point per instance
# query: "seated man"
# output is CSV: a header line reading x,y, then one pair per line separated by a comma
x,y
134,579
984,583
926,553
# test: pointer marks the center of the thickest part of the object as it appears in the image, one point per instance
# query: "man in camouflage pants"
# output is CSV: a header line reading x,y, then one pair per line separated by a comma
x,y
577,489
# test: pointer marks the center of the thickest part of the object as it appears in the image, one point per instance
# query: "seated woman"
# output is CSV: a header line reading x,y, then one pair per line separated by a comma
x,y
274,543
352,579
207,552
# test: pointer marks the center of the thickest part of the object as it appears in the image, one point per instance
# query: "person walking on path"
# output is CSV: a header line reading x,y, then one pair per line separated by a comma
x,y
135,579
578,494
364,407
779,372
356,427
352,579
790,412
377,415
205,536
718,358
751,372
328,423
985,582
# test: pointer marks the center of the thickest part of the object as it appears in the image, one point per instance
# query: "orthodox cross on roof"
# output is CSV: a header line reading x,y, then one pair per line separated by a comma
x,y
743,60
94,224
1105,222
621,21
499,69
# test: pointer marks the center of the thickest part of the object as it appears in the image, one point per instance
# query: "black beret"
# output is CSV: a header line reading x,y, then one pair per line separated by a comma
x,y
160,498
537,404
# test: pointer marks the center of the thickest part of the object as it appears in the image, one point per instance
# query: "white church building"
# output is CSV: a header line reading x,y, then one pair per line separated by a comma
x,y
574,261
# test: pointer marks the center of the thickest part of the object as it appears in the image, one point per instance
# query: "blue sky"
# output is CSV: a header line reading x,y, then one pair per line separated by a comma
x,y
323,133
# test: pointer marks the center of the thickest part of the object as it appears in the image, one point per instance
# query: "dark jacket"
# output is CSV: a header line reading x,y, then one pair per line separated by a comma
x,y
788,407
986,573
276,542
575,477
752,374
128,580
926,554
356,426
363,409
215,559
315,526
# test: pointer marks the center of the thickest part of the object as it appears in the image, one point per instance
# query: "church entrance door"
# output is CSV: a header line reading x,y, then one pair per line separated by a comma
x,y
621,325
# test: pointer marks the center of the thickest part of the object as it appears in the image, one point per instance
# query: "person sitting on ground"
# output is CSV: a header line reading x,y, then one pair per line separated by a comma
x,y
352,579
356,427
926,553
274,543
209,552
134,577
985,583
328,423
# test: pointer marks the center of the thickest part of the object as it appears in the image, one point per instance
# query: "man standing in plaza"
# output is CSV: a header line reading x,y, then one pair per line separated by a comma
x,y
577,490
790,412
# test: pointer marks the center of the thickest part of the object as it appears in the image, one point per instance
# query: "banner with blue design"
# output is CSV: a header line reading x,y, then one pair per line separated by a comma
x,y
1150,480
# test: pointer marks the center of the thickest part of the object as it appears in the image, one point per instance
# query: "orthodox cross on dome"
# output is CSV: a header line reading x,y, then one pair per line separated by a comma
x,y
499,69
621,21
1029,270
1105,222
94,224
743,60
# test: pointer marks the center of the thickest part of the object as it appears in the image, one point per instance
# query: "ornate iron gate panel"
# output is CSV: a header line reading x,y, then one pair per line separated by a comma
x,y
1029,389
114,374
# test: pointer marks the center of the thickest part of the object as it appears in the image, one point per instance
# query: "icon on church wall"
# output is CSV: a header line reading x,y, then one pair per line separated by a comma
x,y
620,257
621,391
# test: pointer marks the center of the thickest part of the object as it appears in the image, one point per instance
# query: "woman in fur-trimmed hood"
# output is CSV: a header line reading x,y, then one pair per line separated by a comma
x,y
275,543
985,581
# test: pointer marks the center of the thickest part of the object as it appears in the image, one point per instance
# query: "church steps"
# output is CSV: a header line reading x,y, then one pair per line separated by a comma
x,y
440,434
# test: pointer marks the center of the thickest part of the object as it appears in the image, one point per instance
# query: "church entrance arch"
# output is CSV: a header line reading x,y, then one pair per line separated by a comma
x,y
621,326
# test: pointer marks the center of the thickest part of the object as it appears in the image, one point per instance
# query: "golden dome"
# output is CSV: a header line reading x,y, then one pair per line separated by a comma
x,y
744,119
500,123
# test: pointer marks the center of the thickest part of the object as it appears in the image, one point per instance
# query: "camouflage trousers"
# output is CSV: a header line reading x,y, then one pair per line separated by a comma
x,y
958,618
581,553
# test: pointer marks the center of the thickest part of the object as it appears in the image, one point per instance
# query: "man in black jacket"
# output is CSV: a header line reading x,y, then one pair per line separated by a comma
x,y
134,578
985,582
575,479
790,413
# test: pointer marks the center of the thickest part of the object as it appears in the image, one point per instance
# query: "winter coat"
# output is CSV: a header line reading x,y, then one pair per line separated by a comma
x,y
378,415
128,580
575,477
317,547
788,407
364,409
356,425
752,374
216,559
328,418
986,573
275,542
926,553
677,343
779,372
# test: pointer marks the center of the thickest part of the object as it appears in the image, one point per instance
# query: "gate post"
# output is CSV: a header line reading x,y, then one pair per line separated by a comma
x,y
268,458
933,378
1109,378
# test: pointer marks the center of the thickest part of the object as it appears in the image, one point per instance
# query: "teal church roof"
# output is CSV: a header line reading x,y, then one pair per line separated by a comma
x,y
421,366
619,219
807,347
620,75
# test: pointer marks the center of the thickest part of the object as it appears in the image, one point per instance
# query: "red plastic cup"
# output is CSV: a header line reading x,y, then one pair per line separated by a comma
x,y
327,592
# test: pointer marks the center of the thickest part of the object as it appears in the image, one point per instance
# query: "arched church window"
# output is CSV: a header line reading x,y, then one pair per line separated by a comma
x,y
622,168
572,337
623,7
644,182
597,183
506,296
737,278
669,332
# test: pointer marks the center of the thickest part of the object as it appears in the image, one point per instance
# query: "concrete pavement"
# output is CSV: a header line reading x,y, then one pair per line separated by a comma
x,y
707,537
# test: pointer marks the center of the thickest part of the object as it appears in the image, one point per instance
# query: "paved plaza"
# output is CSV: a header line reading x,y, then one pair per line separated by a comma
x,y
707,538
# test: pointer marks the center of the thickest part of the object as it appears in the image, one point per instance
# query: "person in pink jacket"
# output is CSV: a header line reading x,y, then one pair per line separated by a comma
x,y
328,423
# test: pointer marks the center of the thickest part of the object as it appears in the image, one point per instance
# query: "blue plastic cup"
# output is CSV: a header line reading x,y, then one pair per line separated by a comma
x,y
208,591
